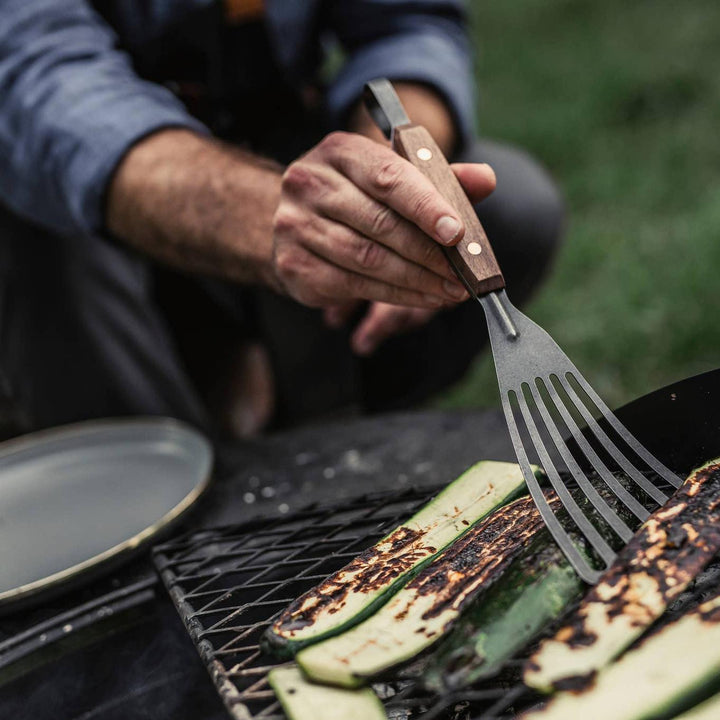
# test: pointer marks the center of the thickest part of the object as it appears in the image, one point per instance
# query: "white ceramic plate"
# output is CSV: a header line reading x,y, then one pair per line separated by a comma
x,y
77,497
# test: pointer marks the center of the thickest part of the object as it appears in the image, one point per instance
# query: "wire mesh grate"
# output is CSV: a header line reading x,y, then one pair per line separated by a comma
x,y
229,583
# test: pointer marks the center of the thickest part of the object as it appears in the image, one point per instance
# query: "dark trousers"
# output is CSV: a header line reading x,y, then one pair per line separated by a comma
x,y
89,328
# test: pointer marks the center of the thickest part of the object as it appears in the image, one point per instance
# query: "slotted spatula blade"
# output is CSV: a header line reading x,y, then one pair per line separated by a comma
x,y
544,397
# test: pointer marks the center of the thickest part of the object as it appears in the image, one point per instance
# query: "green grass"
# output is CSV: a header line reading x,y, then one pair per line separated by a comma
x,y
621,101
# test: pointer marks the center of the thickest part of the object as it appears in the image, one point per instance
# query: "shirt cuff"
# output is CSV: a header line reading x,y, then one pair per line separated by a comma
x,y
433,59
106,142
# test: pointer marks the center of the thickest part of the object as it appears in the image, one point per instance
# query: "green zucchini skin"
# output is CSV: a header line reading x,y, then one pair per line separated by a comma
x,y
708,710
535,591
356,591
668,551
660,677
421,612
302,700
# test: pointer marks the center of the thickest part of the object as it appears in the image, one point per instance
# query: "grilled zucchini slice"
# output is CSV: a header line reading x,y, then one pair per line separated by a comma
x,y
534,592
419,614
353,593
708,710
668,551
657,679
303,700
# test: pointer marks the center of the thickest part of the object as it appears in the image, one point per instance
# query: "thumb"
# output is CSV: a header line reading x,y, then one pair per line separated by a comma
x,y
478,179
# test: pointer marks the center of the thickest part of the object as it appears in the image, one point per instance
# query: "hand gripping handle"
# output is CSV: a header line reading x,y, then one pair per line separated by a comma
x,y
472,258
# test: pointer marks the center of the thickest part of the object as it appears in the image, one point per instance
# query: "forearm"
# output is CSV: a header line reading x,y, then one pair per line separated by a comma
x,y
424,107
349,220
197,204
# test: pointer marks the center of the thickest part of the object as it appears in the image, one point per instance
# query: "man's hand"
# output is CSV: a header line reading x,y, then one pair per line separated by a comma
x,y
357,222
381,320
349,221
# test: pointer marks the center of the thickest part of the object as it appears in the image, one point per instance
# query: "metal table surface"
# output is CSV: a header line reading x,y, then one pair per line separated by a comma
x,y
138,662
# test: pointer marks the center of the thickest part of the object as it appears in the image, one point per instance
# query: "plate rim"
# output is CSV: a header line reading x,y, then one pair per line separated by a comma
x,y
130,544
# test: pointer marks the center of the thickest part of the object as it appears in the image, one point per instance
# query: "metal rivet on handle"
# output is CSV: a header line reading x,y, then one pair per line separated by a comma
x,y
474,248
424,153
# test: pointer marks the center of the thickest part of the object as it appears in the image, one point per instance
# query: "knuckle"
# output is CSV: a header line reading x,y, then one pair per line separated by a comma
x,y
431,254
424,204
302,178
296,177
306,289
369,255
384,222
386,176
305,279
335,141
284,221
293,222
288,262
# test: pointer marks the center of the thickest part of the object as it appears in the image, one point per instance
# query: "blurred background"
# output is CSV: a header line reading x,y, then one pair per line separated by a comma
x,y
621,101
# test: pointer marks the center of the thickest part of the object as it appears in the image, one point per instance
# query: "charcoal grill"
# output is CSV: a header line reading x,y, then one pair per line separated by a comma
x,y
228,584
140,662
150,668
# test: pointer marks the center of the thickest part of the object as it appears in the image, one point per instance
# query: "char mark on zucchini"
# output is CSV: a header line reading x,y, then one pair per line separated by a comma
x,y
427,607
665,555
368,581
373,569
658,678
467,563
534,591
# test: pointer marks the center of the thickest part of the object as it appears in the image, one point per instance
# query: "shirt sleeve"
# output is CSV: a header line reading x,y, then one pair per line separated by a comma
x,y
71,107
421,41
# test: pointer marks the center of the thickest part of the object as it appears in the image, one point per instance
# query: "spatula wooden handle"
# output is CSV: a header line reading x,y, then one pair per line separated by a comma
x,y
472,258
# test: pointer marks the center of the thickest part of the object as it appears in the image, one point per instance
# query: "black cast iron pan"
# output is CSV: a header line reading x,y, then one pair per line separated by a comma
x,y
679,423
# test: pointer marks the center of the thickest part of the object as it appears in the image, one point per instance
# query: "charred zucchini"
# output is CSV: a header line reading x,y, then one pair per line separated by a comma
x,y
668,551
657,679
535,591
357,590
429,604
302,700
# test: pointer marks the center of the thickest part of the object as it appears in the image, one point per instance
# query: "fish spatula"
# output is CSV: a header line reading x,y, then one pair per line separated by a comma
x,y
548,404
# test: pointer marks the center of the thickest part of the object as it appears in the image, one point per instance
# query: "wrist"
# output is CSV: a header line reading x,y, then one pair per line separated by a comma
x,y
195,203
141,169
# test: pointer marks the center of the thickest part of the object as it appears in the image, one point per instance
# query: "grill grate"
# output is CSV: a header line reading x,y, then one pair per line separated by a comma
x,y
229,583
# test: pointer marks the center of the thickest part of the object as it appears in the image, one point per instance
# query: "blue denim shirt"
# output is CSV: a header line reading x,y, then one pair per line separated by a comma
x,y
71,104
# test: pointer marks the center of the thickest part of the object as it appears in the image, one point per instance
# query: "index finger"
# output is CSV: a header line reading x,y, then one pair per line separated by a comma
x,y
392,180
383,321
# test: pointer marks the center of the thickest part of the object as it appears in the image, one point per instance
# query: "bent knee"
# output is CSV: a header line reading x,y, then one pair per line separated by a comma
x,y
527,204
524,218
